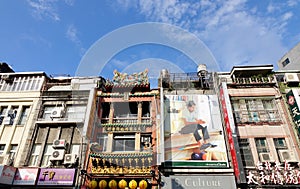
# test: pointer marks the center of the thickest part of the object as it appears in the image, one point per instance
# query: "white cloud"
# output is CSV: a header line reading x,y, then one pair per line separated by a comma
x,y
44,8
236,31
292,3
47,8
72,35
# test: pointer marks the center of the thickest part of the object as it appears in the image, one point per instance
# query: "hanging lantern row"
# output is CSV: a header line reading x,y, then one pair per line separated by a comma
x,y
112,184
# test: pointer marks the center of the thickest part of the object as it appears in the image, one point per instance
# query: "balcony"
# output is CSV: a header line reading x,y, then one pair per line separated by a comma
x,y
270,117
254,80
61,120
126,123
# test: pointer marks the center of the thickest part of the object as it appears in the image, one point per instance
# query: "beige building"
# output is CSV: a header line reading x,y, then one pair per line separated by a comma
x,y
262,126
19,99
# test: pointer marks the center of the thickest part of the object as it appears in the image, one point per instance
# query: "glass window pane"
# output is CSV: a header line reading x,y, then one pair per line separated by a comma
x,y
24,115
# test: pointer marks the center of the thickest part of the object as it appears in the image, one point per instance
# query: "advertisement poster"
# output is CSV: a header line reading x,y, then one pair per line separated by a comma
x,y
25,176
7,174
194,134
56,177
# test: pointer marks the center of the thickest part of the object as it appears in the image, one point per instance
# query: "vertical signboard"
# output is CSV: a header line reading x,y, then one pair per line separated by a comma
x,y
229,127
193,132
292,101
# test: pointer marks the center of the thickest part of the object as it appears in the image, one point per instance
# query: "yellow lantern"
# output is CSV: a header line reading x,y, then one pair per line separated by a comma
x,y
122,184
132,184
143,184
102,184
93,184
112,184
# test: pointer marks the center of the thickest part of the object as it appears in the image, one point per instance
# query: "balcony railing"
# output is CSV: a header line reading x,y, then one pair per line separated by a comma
x,y
254,80
62,119
257,116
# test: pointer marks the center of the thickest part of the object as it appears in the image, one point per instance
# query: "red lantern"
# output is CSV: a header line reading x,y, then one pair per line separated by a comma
x,y
102,184
112,184
93,184
122,184
132,184
143,184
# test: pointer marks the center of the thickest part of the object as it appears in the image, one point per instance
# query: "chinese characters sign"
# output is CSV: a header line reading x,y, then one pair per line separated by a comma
x,y
25,176
274,174
56,177
229,132
291,99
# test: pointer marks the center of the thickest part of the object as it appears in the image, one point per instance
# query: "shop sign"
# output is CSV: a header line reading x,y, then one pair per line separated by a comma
x,y
274,174
224,103
7,174
53,177
25,176
292,102
199,182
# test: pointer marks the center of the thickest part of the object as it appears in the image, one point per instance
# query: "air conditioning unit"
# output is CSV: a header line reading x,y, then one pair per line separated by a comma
x,y
59,144
70,158
57,112
146,139
265,157
286,155
7,121
291,78
57,155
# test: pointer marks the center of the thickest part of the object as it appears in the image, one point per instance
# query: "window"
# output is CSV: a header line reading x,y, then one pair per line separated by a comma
x,y
75,149
102,140
124,143
261,145
2,147
47,112
75,112
254,110
35,155
47,154
285,62
3,111
12,114
246,153
13,151
24,115
280,143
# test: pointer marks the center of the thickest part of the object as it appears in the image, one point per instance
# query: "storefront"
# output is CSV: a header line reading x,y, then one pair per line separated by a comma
x,y
43,178
7,174
199,181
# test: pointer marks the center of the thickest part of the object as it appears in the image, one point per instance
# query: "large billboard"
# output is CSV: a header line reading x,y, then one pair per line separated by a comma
x,y
193,133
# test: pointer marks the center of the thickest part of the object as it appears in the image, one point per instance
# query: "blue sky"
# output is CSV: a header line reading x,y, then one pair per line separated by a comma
x,y
55,35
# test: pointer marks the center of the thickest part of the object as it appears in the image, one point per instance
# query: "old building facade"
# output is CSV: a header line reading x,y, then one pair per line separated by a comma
x,y
124,141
